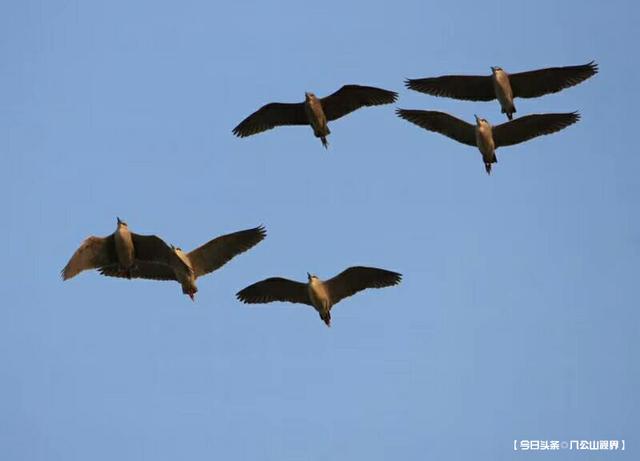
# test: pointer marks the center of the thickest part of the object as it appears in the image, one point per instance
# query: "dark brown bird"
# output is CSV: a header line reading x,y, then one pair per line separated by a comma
x,y
504,87
185,268
122,253
485,137
313,111
322,296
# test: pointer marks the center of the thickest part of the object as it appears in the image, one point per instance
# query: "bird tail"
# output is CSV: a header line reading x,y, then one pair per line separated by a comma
x,y
326,318
325,143
512,110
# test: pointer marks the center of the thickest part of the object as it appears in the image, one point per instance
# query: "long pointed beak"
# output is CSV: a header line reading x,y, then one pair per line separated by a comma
x,y
119,220
477,118
308,275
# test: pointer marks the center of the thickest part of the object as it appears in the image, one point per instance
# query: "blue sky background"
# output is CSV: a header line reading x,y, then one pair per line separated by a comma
x,y
518,314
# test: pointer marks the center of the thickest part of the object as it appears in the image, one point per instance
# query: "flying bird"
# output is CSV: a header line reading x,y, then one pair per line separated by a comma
x,y
321,295
314,111
185,268
485,137
122,253
503,86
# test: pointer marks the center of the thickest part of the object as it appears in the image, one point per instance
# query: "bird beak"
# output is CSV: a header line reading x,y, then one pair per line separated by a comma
x,y
193,297
477,118
308,275
493,69
119,220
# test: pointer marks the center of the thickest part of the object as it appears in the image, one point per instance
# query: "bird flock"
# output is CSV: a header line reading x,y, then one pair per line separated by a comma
x,y
129,255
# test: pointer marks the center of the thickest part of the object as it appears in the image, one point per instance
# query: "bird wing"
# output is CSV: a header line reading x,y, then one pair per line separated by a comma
x,y
219,251
466,87
93,253
352,97
152,249
531,126
270,116
442,123
141,270
551,80
275,289
358,278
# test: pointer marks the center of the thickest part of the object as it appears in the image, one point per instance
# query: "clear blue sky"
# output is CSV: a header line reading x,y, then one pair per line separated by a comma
x,y
518,314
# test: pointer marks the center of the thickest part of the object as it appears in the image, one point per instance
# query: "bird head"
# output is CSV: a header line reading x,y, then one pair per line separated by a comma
x,y
311,276
309,96
121,222
495,69
480,120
